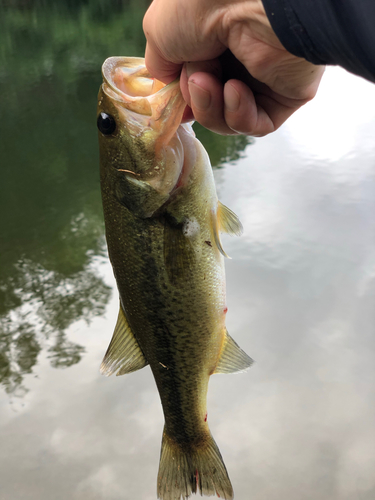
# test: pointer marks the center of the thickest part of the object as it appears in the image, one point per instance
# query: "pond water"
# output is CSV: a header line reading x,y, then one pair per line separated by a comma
x,y
301,284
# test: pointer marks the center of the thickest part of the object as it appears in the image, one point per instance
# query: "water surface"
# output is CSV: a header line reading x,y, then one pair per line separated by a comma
x,y
301,284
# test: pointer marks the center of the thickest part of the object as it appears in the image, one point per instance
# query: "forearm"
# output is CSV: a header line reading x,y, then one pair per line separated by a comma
x,y
337,32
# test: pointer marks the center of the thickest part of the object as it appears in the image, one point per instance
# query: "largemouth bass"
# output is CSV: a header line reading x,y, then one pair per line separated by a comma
x,y
163,221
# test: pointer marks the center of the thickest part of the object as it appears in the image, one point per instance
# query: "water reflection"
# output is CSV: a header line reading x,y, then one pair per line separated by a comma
x,y
51,229
301,285
44,304
222,150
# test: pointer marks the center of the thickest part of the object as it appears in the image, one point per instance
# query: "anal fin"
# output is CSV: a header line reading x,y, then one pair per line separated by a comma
x,y
232,359
123,354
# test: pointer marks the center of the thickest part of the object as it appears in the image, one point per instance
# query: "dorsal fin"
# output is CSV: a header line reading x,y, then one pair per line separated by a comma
x,y
226,221
232,359
123,353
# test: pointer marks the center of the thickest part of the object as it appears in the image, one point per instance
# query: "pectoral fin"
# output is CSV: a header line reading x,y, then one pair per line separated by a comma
x,y
123,353
226,221
233,359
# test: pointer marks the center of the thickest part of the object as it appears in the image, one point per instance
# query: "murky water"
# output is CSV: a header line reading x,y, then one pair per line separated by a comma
x,y
301,285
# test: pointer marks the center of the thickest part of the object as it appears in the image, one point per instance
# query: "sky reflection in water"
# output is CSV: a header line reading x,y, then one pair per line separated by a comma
x,y
301,289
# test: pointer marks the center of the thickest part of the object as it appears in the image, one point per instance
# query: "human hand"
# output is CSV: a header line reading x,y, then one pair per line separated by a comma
x,y
234,73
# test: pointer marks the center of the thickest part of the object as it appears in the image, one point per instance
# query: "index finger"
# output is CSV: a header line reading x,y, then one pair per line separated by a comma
x,y
159,67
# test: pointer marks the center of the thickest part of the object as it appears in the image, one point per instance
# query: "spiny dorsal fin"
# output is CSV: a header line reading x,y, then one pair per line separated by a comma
x,y
123,353
232,359
228,220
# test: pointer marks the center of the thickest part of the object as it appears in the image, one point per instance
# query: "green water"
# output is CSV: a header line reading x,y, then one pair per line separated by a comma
x,y
51,227
300,286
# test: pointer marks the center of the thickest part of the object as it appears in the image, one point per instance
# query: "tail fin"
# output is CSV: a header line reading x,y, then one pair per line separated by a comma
x,y
185,469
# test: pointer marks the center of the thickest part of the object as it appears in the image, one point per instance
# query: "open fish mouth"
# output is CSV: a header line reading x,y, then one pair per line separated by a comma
x,y
130,76
127,81
149,114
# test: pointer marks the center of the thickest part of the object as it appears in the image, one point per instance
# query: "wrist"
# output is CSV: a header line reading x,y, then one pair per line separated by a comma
x,y
249,16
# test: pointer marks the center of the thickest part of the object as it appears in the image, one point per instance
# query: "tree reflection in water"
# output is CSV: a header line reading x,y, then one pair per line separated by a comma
x,y
48,303
51,227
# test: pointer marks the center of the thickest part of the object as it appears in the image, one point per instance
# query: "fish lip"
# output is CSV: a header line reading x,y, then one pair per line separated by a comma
x,y
114,62
137,104
146,104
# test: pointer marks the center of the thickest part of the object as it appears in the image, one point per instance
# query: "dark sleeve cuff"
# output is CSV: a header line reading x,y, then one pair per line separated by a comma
x,y
337,32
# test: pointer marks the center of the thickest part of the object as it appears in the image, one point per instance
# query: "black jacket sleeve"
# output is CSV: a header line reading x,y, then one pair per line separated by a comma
x,y
339,32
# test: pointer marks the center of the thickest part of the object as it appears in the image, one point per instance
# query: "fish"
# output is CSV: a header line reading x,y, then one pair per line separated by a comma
x,y
163,222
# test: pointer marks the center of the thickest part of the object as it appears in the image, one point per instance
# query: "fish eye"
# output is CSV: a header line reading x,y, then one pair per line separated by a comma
x,y
106,124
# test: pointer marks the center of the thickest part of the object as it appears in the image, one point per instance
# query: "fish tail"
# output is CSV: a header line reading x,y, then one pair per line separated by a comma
x,y
185,469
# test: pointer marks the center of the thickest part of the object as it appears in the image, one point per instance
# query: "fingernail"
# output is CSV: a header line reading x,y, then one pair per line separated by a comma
x,y
201,98
231,98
